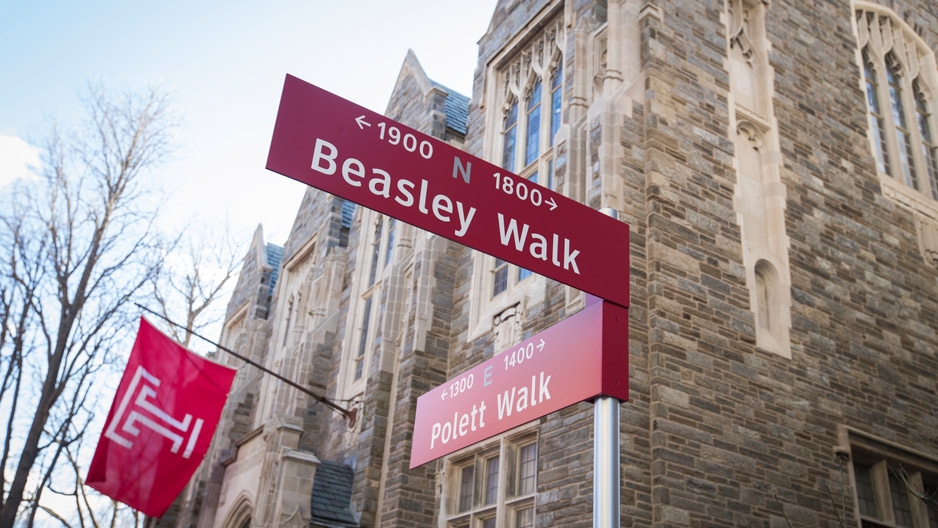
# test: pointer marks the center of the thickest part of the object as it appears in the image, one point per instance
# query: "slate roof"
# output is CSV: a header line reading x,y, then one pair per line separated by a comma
x,y
456,108
332,497
274,256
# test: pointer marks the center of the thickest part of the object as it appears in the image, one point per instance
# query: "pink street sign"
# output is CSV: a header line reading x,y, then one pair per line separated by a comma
x,y
582,357
339,147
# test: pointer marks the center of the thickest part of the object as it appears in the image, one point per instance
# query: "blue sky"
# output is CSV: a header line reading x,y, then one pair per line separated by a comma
x,y
224,64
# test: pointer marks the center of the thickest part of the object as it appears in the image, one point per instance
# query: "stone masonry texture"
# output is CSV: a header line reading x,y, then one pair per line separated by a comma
x,y
717,431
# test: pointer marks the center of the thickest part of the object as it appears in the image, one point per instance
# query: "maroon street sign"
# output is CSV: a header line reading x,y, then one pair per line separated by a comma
x,y
344,149
584,356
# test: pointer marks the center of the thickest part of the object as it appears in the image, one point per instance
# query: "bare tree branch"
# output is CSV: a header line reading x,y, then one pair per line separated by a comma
x,y
81,249
930,499
196,276
55,516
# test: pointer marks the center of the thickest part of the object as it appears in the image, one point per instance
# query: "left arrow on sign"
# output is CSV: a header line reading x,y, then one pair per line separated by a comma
x,y
361,122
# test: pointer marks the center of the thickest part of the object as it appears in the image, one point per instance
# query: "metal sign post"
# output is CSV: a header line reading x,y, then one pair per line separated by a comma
x,y
606,453
606,462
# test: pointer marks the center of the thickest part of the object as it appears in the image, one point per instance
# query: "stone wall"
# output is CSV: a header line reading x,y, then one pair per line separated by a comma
x,y
718,431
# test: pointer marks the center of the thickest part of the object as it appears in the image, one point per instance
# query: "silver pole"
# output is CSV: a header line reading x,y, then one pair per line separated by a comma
x,y
606,462
606,453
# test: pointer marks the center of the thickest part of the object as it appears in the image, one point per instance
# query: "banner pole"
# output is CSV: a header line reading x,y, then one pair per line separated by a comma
x,y
349,415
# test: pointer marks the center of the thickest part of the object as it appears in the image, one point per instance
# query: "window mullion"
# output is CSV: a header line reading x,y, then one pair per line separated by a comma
x,y
545,150
919,508
543,135
907,100
521,145
880,473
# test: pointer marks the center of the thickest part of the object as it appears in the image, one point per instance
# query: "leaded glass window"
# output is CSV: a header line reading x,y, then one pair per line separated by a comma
x,y
899,79
903,136
556,95
495,485
532,144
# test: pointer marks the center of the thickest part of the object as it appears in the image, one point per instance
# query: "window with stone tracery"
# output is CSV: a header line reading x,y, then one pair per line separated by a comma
x,y
899,78
531,93
525,115
750,72
531,104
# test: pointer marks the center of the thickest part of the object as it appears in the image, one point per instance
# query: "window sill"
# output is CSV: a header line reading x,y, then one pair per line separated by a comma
x,y
908,197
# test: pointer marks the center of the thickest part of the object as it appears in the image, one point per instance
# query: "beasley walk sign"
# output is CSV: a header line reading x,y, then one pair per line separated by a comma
x,y
579,358
344,149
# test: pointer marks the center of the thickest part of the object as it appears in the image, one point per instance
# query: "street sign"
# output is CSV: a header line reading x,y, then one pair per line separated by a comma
x,y
344,149
584,356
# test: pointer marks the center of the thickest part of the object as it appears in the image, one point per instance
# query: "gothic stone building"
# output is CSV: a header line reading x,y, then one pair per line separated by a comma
x,y
777,163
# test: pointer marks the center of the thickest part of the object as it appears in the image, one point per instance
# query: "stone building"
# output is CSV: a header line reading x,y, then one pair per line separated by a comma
x,y
777,163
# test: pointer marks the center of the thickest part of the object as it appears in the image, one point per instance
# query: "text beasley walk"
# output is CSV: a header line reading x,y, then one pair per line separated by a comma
x,y
381,184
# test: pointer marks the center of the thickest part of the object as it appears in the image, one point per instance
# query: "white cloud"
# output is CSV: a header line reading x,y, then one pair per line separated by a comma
x,y
16,156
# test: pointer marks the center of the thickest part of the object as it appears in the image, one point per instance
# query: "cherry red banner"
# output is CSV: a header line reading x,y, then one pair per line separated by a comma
x,y
161,423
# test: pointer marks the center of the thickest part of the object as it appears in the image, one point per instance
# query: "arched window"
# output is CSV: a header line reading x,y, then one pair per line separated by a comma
x,y
241,514
765,283
530,118
900,81
770,321
536,132
524,105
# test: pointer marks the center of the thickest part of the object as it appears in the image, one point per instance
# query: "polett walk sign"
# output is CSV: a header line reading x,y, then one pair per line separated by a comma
x,y
584,356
